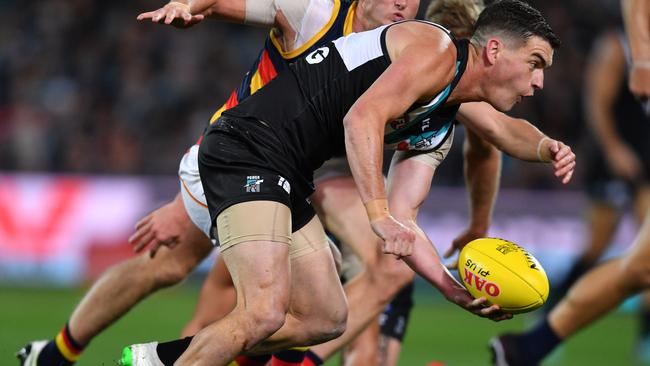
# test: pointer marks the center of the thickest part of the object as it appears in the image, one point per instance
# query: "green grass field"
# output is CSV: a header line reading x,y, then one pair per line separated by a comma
x,y
438,331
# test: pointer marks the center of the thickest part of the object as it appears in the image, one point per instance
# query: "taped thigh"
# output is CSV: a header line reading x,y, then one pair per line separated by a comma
x,y
254,221
310,238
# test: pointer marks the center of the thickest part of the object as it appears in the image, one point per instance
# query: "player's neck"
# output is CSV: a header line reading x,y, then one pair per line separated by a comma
x,y
361,23
469,87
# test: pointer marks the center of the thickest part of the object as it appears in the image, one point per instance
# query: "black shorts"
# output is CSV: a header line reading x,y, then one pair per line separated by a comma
x,y
236,168
394,320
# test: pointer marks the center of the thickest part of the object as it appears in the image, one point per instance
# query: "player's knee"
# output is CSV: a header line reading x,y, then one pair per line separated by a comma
x,y
329,326
267,319
168,271
636,273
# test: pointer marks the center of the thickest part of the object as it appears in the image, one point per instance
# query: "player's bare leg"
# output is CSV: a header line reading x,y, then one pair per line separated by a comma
x,y
298,302
595,294
216,300
363,350
391,349
605,287
125,284
641,208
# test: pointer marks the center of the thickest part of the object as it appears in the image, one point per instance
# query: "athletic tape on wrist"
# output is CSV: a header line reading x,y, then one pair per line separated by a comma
x,y
377,208
539,149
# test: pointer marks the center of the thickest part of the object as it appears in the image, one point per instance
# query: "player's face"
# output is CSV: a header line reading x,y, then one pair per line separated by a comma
x,y
519,71
380,12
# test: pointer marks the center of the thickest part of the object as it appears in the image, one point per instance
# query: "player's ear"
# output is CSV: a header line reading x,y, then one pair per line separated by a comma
x,y
492,50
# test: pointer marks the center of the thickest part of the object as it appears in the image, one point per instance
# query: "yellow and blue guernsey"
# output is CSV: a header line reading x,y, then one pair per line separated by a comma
x,y
273,59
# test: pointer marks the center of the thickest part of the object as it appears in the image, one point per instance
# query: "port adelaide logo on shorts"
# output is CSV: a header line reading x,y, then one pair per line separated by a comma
x,y
253,183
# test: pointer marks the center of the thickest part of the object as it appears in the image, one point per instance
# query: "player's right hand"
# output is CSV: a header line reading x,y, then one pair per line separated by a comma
x,y
397,238
173,13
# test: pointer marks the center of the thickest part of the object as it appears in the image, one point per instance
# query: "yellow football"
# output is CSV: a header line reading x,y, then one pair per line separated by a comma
x,y
504,273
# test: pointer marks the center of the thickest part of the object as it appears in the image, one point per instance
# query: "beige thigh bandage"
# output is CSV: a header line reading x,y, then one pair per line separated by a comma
x,y
308,239
253,221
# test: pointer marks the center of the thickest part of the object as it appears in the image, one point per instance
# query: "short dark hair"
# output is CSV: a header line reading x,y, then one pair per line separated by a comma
x,y
515,19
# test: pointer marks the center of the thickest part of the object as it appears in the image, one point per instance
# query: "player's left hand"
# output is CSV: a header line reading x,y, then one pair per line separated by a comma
x,y
563,160
459,243
164,226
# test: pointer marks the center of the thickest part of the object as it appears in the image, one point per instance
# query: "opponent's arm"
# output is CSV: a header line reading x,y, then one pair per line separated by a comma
x,y
603,78
636,14
409,182
482,175
517,137
264,13
414,76
186,13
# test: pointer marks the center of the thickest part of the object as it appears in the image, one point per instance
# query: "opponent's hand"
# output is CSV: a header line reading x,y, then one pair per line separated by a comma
x,y
173,13
639,82
461,297
459,243
563,160
397,238
164,226
623,162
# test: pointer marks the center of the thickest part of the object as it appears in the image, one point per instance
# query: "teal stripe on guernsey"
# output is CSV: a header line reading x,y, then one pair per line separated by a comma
x,y
403,133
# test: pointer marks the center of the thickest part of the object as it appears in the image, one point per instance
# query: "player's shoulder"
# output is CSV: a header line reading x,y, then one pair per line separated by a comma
x,y
424,39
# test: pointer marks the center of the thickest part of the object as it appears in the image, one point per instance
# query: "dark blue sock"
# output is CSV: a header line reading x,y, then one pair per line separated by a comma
x,y
538,342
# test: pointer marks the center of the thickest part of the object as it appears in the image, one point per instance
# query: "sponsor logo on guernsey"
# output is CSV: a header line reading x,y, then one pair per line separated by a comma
x,y
285,185
253,183
317,55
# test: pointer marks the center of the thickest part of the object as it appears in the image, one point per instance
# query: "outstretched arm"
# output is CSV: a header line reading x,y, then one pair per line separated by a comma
x,y
518,138
186,13
409,182
482,175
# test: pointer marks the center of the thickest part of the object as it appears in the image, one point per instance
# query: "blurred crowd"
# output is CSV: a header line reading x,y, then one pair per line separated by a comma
x,y
85,88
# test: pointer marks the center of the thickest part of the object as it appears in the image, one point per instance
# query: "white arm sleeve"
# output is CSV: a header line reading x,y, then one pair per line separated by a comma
x,y
260,12
305,17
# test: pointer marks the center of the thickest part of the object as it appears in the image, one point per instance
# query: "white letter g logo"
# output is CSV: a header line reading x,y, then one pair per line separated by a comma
x,y
317,55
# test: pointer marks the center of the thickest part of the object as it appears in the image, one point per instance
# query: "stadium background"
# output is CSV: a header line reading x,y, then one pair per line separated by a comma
x,y
96,110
